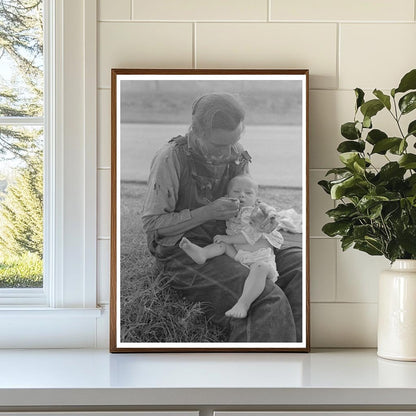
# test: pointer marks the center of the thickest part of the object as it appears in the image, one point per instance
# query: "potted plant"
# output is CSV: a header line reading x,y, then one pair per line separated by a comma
x,y
376,209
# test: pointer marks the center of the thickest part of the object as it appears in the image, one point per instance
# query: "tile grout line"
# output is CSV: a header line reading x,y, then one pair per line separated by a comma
x,y
350,302
310,89
194,62
338,64
335,248
269,10
308,22
131,9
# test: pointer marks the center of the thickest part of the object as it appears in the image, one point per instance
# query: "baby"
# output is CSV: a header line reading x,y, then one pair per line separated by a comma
x,y
244,243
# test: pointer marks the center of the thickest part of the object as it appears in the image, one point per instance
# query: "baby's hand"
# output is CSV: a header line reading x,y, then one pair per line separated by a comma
x,y
221,239
264,218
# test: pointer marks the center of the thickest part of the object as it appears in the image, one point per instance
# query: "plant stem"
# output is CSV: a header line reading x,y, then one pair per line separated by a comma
x,y
397,118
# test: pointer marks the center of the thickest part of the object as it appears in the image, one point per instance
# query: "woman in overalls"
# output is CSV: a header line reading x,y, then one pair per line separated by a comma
x,y
187,182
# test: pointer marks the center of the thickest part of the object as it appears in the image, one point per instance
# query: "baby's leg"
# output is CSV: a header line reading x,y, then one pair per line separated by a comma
x,y
253,287
201,254
229,250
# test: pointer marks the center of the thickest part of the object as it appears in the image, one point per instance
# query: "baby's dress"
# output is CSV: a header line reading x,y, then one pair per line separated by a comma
x,y
242,224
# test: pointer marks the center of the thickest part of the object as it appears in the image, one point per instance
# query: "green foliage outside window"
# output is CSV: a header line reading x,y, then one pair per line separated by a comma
x,y
21,147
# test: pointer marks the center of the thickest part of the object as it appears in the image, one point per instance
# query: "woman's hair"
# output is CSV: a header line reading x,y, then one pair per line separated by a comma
x,y
216,111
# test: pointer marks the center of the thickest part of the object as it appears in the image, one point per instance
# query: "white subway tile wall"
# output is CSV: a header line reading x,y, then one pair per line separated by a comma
x,y
323,267
270,45
114,10
103,270
104,128
197,10
337,325
365,49
142,45
104,202
352,10
357,275
345,44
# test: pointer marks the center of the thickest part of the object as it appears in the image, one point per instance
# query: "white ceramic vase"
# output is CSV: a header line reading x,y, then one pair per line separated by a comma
x,y
397,312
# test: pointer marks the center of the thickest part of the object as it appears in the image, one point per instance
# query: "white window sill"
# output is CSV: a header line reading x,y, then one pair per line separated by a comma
x,y
331,379
36,312
40,327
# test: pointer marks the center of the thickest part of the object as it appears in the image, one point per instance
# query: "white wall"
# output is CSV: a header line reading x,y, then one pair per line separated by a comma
x,y
345,44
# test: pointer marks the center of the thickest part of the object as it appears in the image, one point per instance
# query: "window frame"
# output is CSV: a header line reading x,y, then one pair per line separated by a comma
x,y
35,296
70,208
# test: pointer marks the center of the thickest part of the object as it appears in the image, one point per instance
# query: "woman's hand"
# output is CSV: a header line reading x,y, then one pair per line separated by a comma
x,y
222,209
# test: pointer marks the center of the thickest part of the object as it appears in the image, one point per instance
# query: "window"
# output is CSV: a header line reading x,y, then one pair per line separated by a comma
x,y
22,128
63,313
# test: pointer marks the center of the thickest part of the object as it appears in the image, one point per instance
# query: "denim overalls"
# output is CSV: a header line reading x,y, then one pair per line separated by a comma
x,y
218,283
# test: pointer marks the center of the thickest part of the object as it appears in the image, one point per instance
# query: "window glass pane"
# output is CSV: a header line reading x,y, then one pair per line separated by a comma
x,y
21,58
21,209
21,146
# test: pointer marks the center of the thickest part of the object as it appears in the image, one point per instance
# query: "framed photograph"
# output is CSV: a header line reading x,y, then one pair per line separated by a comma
x,y
209,211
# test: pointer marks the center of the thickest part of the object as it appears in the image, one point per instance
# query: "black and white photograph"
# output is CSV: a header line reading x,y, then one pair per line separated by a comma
x,y
209,213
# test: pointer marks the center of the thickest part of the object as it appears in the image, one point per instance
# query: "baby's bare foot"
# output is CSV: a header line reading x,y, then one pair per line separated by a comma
x,y
195,252
239,310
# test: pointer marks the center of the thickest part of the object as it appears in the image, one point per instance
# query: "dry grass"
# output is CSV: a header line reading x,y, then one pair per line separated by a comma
x,y
150,310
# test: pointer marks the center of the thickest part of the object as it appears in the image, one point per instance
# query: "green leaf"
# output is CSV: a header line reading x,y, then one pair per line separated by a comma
x,y
411,180
350,146
394,251
383,145
367,122
338,189
368,248
359,95
350,131
348,158
411,130
375,211
408,161
342,211
408,102
407,239
375,136
359,166
385,99
369,201
398,149
391,170
361,231
338,171
346,242
333,229
371,108
408,82
325,186
393,92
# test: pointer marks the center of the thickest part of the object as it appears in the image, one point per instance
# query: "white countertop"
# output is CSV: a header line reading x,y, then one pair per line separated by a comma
x,y
96,377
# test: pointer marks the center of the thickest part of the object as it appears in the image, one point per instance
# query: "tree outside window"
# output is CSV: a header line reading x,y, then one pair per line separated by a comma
x,y
21,143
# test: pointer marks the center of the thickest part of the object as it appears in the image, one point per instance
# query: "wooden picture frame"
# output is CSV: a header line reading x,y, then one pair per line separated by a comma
x,y
151,308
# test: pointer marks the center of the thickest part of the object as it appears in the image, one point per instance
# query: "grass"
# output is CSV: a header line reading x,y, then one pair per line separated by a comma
x,y
25,271
150,310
